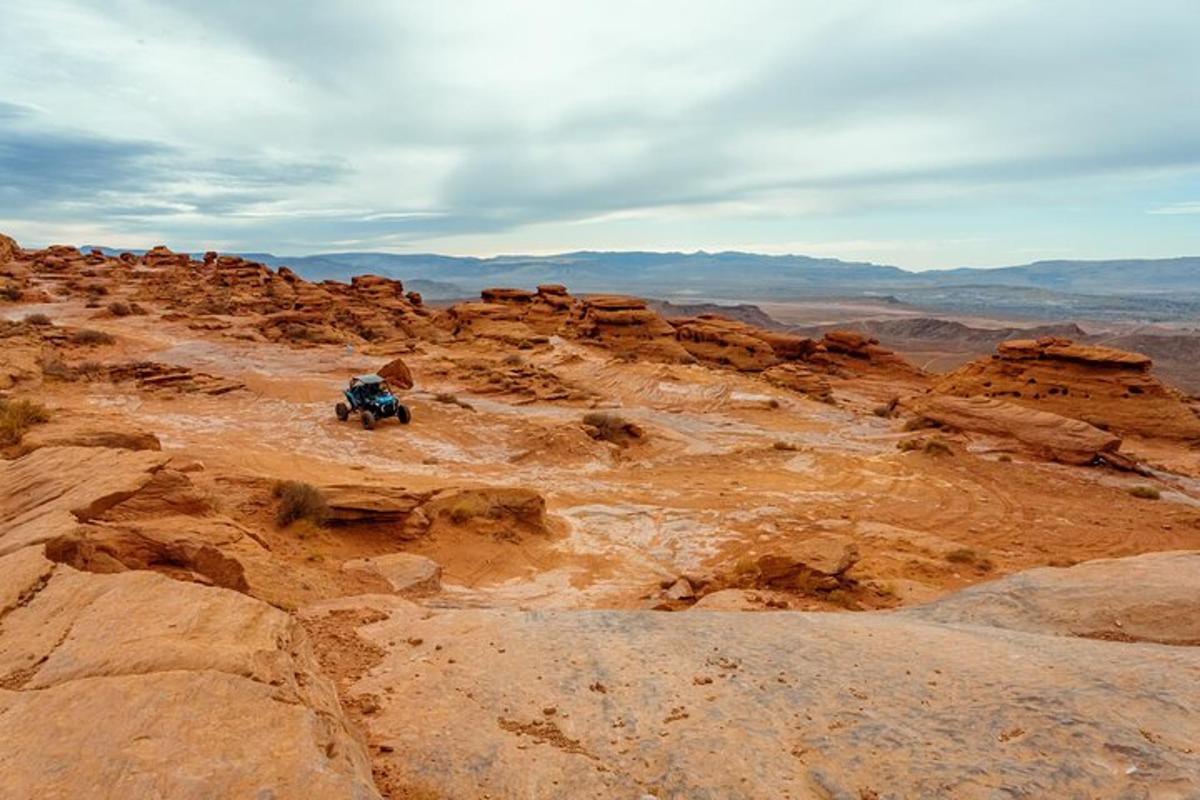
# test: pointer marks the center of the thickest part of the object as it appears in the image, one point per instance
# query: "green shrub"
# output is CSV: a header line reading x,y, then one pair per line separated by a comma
x,y
299,501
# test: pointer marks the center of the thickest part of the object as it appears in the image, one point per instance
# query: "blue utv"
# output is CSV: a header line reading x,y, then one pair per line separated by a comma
x,y
370,398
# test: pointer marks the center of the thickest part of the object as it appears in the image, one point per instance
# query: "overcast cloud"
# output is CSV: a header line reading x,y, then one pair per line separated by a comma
x,y
918,133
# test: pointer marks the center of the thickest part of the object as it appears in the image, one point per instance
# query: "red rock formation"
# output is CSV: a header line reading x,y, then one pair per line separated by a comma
x,y
627,326
1052,436
1109,388
8,249
723,341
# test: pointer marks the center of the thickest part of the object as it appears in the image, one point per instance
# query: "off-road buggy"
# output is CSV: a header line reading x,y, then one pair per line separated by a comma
x,y
370,398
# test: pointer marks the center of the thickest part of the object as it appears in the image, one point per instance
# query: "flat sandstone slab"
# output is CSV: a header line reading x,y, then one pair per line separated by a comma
x,y
708,705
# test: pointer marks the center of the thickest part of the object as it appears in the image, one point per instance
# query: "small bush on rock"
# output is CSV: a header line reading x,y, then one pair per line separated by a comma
x,y
88,336
18,416
119,309
610,427
299,501
38,320
1145,492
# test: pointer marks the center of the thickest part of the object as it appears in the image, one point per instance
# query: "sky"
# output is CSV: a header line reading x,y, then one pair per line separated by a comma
x,y
918,133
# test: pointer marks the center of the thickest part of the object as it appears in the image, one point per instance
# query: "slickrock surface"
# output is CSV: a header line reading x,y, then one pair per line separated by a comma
x,y
935,702
1049,435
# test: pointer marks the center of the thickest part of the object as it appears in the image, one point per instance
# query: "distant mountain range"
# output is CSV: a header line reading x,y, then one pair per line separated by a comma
x,y
1154,289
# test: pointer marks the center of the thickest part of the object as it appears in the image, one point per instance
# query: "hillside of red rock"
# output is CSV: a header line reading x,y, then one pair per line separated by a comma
x,y
613,554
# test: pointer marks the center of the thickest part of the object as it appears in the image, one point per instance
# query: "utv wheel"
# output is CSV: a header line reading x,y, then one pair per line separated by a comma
x,y
403,414
368,420
343,411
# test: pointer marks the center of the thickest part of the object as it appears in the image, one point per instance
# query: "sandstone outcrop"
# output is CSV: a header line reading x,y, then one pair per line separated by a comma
x,y
800,379
721,341
50,491
1049,435
626,325
801,701
1108,388
8,249
219,694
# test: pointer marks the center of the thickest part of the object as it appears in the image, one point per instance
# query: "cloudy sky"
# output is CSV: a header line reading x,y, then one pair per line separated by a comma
x,y
921,133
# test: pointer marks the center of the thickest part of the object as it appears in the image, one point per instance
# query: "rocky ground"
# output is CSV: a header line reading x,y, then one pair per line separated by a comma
x,y
613,554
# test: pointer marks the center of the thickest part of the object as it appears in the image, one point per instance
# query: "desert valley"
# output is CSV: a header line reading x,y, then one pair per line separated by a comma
x,y
622,549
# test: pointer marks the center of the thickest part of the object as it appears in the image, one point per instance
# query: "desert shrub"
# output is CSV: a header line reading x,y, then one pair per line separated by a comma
x,y
936,447
119,309
58,369
39,320
513,360
611,427
908,445
18,416
90,337
468,507
11,292
782,445
1145,492
920,424
1004,458
299,501
888,409
967,556
135,308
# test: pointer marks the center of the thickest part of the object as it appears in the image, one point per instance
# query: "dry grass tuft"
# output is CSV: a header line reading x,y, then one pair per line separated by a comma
x,y
967,556
18,416
88,336
299,501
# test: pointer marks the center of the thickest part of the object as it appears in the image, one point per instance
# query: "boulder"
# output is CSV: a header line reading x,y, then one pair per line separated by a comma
x,y
681,590
397,373
822,555
406,573
1051,436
